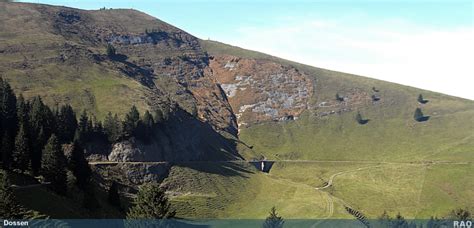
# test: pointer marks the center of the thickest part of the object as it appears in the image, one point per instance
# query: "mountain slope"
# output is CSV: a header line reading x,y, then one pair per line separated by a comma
x,y
327,130
225,103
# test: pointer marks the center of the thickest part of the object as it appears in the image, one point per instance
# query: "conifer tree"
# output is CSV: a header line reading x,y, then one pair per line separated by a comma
x,y
66,124
421,99
23,109
131,122
360,119
9,122
9,207
83,122
273,220
112,127
79,166
42,126
151,203
144,130
54,165
418,115
21,154
148,120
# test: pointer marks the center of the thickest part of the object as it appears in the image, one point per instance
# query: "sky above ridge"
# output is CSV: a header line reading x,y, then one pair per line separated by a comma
x,y
425,44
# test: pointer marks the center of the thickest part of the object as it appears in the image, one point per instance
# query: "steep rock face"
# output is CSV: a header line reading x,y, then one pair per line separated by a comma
x,y
161,67
260,90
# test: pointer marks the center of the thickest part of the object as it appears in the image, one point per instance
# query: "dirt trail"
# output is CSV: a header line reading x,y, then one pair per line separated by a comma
x,y
331,178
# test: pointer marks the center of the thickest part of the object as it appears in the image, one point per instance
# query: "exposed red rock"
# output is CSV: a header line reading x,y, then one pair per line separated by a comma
x,y
260,90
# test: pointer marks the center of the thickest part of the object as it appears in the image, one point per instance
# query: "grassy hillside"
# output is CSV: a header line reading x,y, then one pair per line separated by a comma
x,y
391,134
378,166
392,163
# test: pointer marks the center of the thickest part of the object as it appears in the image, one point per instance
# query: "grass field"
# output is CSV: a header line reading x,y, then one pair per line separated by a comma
x,y
414,190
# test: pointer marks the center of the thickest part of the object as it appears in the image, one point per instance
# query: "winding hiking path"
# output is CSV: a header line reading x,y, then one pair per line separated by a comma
x,y
331,178
330,198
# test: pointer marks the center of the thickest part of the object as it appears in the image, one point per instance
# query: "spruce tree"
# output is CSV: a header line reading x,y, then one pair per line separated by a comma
x,y
42,125
54,165
273,220
360,119
9,207
114,196
148,120
421,99
66,124
151,203
144,129
84,127
418,115
79,166
9,122
23,109
83,122
21,154
131,122
112,127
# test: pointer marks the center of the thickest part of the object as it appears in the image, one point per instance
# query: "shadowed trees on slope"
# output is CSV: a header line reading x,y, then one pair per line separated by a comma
x,y
273,220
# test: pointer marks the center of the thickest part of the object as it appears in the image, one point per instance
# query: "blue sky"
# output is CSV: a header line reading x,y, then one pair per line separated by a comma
x,y
426,44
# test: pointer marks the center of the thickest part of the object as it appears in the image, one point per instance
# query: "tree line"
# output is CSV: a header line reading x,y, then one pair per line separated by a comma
x,y
33,136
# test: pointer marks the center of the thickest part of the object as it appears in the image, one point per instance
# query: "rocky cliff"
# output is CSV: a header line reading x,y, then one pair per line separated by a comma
x,y
60,54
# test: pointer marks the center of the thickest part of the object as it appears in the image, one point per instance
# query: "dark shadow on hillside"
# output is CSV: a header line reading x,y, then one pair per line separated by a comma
x,y
364,121
423,119
194,140
423,101
143,75
227,169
